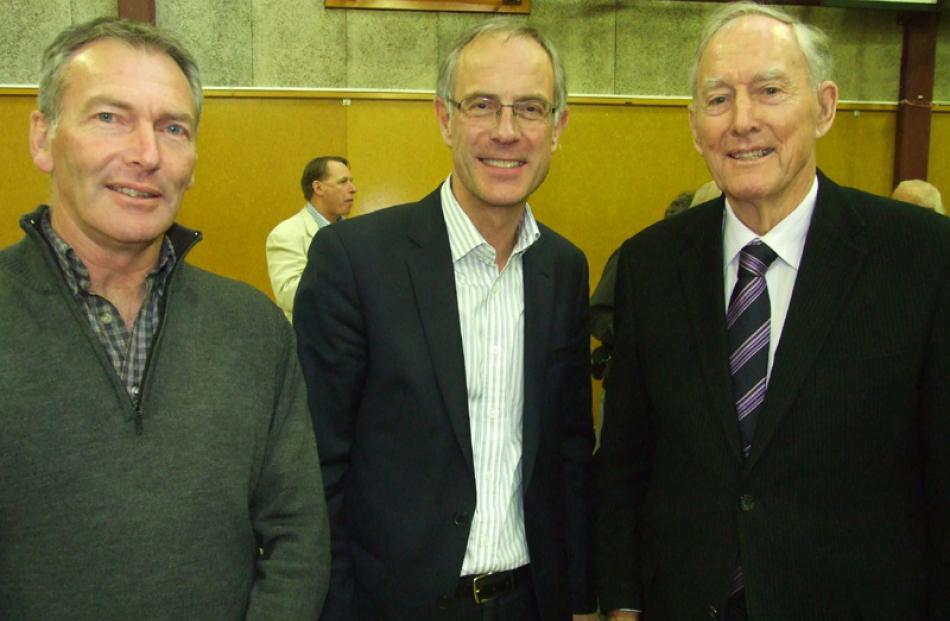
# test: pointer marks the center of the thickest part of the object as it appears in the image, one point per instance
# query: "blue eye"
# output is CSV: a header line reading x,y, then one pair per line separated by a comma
x,y
105,117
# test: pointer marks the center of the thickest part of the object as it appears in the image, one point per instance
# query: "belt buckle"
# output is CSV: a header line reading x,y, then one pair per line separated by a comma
x,y
476,591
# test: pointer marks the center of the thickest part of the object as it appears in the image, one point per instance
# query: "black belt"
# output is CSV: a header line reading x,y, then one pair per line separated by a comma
x,y
481,588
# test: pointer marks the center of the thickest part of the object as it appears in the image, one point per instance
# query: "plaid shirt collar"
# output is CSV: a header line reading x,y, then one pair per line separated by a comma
x,y
76,273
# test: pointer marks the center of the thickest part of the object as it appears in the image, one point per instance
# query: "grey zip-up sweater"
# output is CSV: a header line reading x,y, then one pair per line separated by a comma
x,y
101,521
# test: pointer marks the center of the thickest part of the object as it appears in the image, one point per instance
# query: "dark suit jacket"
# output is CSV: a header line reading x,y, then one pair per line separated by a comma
x,y
381,348
842,511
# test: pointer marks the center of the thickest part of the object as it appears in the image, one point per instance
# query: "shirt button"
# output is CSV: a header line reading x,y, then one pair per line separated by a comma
x,y
493,413
106,318
460,519
712,611
746,502
494,350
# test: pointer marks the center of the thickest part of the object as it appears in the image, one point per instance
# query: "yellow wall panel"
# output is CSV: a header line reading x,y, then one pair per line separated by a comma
x,y
396,152
939,169
616,170
251,152
859,150
22,186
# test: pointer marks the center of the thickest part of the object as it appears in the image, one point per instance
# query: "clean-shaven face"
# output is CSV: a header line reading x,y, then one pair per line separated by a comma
x,y
499,161
757,116
123,151
336,191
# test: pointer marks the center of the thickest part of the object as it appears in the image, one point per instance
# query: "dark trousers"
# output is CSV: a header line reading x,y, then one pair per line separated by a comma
x,y
735,609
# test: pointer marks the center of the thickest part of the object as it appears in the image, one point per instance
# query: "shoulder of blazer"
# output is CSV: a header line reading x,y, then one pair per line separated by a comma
x,y
414,219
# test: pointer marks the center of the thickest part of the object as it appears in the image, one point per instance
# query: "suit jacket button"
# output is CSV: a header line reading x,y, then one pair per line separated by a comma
x,y
746,502
461,519
712,611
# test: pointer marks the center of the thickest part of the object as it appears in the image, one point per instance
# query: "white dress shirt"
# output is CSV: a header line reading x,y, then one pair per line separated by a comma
x,y
491,315
787,239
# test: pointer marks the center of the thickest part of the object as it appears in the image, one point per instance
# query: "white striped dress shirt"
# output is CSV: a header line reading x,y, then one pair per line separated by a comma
x,y
491,314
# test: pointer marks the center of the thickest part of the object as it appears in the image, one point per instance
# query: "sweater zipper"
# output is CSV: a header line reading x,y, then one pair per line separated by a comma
x,y
138,413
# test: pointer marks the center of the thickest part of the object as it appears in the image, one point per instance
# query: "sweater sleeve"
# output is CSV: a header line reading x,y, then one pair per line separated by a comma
x,y
288,510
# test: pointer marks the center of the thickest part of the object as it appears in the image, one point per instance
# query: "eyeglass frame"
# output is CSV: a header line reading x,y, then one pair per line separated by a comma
x,y
497,113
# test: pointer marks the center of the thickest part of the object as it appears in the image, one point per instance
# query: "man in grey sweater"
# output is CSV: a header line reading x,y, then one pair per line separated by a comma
x,y
157,459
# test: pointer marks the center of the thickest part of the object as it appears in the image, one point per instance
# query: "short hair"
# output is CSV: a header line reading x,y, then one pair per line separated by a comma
x,y
316,170
445,87
681,203
139,35
919,192
813,42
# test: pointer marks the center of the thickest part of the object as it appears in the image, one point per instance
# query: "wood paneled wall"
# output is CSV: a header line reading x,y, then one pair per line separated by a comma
x,y
619,165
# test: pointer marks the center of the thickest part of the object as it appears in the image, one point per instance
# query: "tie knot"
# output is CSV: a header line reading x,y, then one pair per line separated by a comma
x,y
755,258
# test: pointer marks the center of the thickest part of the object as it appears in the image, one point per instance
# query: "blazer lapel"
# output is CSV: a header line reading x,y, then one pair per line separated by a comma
x,y
538,301
433,282
834,255
700,266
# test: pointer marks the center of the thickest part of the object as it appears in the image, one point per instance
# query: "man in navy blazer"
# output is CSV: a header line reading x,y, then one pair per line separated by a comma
x,y
446,353
830,498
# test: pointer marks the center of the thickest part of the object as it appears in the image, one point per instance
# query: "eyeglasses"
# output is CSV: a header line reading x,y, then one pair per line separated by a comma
x,y
480,107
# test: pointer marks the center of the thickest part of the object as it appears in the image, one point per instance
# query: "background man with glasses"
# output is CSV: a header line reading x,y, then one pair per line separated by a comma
x,y
446,353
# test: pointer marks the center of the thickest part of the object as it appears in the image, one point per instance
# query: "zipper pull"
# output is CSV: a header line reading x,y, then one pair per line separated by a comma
x,y
137,413
138,419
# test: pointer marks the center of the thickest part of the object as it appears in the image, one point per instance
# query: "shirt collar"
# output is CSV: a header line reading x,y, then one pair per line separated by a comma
x,y
464,237
319,217
787,238
77,274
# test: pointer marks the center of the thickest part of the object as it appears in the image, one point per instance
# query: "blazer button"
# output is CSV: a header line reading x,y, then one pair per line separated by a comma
x,y
746,502
712,612
460,519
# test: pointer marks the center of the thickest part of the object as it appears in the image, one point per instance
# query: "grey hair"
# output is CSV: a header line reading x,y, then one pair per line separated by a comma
x,y
813,42
445,87
53,75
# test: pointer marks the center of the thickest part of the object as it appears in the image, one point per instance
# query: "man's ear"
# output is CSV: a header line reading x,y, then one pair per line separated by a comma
x,y
316,187
445,120
41,140
558,128
827,106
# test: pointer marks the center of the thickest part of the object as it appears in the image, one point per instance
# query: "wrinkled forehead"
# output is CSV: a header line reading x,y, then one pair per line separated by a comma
x,y
112,58
752,34
757,43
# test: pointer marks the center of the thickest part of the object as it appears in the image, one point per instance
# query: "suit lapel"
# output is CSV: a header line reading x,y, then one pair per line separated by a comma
x,y
433,282
538,301
700,268
834,255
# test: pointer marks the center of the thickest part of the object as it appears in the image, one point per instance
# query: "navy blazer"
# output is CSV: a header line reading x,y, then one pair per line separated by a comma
x,y
842,511
381,348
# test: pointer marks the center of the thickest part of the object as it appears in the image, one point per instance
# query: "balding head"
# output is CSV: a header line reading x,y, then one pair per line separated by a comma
x,y
919,192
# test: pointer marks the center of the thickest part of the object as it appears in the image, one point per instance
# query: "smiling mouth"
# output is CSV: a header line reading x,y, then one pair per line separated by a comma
x,y
502,163
750,156
131,192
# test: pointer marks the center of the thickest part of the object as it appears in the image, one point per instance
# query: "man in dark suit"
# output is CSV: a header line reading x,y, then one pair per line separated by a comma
x,y
446,352
778,412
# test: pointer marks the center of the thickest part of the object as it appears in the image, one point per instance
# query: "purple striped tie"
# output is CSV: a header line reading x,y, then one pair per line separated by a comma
x,y
748,323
